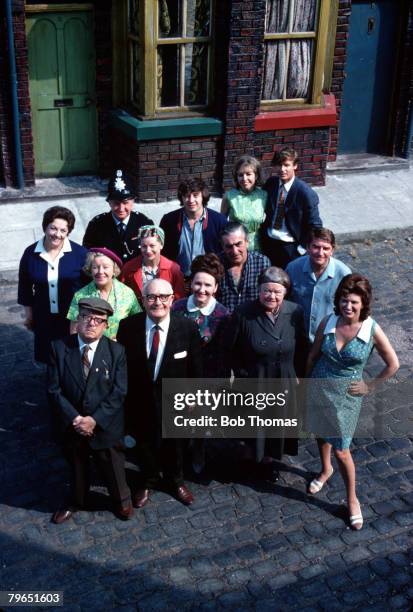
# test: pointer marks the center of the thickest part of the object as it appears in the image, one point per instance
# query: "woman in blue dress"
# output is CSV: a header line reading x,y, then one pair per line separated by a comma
x,y
342,346
49,275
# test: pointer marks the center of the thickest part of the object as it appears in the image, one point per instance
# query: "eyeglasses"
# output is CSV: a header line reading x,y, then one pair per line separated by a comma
x,y
276,292
152,297
91,319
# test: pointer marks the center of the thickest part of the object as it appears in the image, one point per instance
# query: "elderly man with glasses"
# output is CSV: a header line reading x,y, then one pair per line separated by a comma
x,y
159,344
86,388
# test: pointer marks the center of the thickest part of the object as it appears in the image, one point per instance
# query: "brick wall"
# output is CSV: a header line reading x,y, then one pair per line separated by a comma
x,y
6,128
312,146
245,57
340,56
157,166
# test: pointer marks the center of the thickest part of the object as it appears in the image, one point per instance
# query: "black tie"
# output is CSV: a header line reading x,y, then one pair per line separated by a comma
x,y
122,231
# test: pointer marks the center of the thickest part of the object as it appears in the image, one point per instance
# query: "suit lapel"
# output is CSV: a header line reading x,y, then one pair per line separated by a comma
x,y
169,351
100,364
73,362
289,201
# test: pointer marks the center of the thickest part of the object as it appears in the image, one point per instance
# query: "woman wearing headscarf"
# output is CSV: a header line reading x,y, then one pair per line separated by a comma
x,y
150,264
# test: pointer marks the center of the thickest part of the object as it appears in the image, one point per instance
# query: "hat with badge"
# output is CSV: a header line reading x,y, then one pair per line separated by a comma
x,y
96,305
120,187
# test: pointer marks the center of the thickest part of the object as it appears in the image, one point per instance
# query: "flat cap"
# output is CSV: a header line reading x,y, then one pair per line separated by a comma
x,y
96,305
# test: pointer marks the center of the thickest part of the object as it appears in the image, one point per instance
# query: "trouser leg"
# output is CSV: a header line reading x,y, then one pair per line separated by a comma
x,y
111,461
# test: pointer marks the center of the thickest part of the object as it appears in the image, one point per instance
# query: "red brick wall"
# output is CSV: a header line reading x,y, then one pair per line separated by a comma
x,y
157,166
6,128
311,144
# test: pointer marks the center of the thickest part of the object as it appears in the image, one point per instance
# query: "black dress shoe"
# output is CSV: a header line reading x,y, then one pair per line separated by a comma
x,y
269,472
124,512
141,497
63,515
184,495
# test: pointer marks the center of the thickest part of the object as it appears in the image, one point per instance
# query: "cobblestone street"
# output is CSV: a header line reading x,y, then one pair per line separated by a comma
x,y
243,545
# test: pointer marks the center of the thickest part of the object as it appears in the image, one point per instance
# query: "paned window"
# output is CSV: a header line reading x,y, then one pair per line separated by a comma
x,y
169,55
295,41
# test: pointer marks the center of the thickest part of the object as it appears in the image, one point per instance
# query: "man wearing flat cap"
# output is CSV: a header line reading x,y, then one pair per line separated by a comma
x,y
87,383
118,229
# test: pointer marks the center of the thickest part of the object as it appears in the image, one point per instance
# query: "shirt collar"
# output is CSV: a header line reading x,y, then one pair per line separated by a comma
x,y
40,248
163,325
205,310
330,270
364,332
82,343
287,185
118,221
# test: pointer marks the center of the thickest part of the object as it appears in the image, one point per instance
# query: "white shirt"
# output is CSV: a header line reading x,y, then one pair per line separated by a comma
x,y
163,334
53,271
282,233
92,346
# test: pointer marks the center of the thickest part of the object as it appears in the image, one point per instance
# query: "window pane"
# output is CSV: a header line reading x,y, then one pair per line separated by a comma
x,y
275,63
196,70
276,19
134,17
198,18
304,15
168,75
299,69
170,18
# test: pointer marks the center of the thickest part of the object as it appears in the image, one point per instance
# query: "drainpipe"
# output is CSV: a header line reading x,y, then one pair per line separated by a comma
x,y
15,105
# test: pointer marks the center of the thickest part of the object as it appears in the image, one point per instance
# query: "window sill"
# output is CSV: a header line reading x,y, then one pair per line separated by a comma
x,y
302,118
162,129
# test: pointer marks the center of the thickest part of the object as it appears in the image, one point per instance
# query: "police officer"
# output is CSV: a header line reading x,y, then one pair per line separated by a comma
x,y
117,230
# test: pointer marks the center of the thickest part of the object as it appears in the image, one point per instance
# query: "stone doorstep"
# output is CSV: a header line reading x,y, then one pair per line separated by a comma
x,y
363,163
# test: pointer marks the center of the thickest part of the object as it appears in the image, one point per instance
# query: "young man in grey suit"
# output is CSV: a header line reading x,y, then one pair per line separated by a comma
x,y
159,344
87,383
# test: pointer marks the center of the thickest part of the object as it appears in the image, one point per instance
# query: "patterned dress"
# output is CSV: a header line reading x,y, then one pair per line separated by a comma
x,y
249,209
121,298
332,413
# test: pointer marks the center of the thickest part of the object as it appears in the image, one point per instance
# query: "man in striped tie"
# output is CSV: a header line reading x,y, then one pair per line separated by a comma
x,y
87,384
291,212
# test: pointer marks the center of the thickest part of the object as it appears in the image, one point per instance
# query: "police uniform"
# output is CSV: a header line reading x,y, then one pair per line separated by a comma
x,y
103,230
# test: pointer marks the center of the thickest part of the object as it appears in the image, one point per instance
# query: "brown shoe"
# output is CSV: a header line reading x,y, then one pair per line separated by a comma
x,y
63,515
124,512
141,498
184,495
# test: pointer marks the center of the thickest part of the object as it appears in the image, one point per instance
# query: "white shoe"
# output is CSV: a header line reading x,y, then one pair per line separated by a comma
x,y
356,520
315,485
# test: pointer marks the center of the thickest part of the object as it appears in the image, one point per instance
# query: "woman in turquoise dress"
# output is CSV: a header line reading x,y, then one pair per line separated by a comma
x,y
104,266
341,349
246,202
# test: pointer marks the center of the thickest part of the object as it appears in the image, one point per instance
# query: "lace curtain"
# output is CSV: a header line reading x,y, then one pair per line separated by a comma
x,y
287,63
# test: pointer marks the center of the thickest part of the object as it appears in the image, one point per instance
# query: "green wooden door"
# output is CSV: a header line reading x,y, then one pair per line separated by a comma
x,y
62,92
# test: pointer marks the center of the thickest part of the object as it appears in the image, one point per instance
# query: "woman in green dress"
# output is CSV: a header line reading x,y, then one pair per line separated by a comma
x,y
104,266
246,202
340,352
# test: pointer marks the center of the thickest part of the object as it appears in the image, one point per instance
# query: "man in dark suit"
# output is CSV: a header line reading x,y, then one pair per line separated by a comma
x,y
291,211
193,229
87,383
118,229
159,344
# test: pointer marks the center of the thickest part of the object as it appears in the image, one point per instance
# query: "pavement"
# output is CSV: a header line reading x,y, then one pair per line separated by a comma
x,y
243,544
354,206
